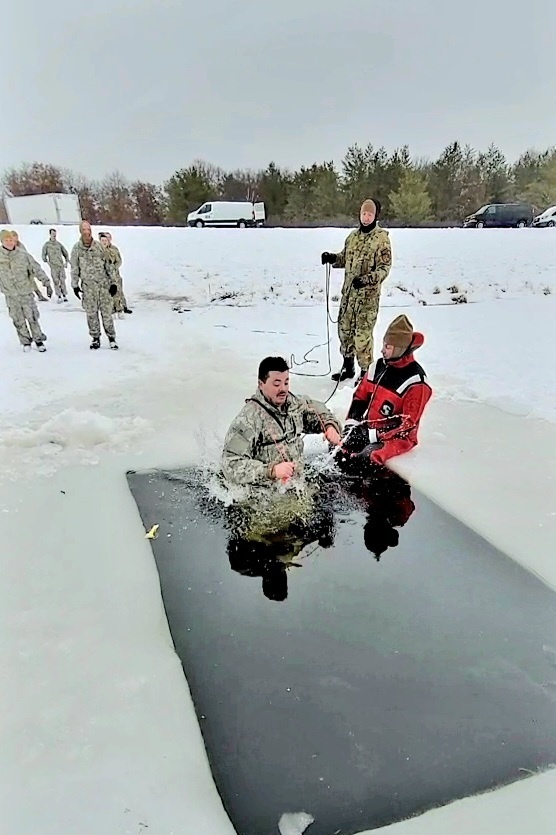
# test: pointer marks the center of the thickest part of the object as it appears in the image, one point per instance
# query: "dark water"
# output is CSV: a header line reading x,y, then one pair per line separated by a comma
x,y
359,691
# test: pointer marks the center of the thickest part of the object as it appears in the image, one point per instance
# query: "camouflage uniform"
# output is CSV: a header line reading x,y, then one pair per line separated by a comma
x,y
92,270
17,282
366,255
263,435
120,302
36,265
56,256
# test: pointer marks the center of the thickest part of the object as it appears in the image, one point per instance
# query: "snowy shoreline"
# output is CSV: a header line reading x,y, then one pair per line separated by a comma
x,y
97,702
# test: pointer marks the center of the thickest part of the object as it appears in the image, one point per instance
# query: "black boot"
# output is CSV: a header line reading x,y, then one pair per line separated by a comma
x,y
347,372
95,344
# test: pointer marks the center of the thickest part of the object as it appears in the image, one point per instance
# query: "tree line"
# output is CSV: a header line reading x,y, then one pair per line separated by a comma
x,y
413,192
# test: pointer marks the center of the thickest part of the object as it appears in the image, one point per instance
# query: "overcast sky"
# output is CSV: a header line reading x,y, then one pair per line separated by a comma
x,y
147,86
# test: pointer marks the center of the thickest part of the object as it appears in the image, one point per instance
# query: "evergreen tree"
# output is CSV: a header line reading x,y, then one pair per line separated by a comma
x,y
411,203
189,188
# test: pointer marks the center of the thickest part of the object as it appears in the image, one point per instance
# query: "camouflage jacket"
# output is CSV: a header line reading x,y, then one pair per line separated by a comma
x,y
18,271
36,267
91,266
263,435
115,257
55,254
366,255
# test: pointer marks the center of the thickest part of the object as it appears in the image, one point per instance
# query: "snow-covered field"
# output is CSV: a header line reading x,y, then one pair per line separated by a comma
x,y
95,705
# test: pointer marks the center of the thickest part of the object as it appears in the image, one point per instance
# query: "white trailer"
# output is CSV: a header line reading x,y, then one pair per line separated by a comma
x,y
224,213
53,209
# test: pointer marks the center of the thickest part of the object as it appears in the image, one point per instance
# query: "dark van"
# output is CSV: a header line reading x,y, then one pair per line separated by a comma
x,y
501,214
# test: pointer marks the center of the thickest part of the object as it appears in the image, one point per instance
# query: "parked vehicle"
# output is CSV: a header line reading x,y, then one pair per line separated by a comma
x,y
224,213
547,218
53,209
500,215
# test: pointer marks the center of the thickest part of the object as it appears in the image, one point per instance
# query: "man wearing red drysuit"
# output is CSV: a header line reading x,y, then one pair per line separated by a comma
x,y
391,397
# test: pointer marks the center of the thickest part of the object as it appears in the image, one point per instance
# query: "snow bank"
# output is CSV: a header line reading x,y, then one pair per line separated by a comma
x,y
102,734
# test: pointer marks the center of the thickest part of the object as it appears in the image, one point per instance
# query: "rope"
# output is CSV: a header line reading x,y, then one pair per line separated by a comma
x,y
306,360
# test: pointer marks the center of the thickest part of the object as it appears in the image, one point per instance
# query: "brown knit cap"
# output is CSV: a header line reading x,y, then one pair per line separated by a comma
x,y
368,205
399,333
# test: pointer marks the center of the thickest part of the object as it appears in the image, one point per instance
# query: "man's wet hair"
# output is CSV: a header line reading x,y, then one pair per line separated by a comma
x,y
51,230
102,235
272,364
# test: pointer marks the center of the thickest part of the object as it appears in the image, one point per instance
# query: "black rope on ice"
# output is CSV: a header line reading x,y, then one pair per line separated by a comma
x,y
306,360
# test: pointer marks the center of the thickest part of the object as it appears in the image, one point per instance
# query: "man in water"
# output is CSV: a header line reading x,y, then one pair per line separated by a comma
x,y
264,444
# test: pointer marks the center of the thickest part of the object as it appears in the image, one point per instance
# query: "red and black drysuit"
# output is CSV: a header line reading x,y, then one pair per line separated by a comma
x,y
392,397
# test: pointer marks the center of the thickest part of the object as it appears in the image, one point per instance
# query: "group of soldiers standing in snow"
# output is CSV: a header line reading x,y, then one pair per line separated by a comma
x,y
95,279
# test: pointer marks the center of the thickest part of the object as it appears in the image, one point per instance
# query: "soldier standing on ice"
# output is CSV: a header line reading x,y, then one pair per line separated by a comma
x,y
92,277
56,256
20,245
120,302
367,259
17,283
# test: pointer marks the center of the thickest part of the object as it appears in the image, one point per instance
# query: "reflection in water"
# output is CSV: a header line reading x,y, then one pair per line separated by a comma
x,y
387,501
258,548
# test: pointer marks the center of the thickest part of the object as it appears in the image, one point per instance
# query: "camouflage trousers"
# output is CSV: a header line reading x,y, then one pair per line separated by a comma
x,y
24,314
120,301
97,300
59,281
356,324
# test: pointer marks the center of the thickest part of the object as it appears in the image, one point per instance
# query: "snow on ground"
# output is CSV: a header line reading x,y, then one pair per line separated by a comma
x,y
97,702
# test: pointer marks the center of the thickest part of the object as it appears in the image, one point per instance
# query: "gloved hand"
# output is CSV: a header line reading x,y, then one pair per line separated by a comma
x,y
389,425
349,427
49,291
327,258
359,282
113,290
355,437
77,292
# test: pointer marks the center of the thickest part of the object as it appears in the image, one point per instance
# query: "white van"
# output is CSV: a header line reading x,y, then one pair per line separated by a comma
x,y
221,213
548,218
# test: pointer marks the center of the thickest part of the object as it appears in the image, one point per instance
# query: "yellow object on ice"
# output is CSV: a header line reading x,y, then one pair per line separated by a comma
x,y
153,532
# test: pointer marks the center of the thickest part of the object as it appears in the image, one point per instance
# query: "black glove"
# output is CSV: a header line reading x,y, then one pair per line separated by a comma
x,y
358,283
355,437
77,292
389,425
49,291
328,258
113,290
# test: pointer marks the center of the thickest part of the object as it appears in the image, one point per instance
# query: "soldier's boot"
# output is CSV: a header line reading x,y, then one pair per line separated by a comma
x,y
347,372
127,310
41,347
113,344
95,344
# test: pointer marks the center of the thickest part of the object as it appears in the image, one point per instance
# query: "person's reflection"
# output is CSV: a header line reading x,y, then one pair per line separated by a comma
x,y
387,501
271,558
